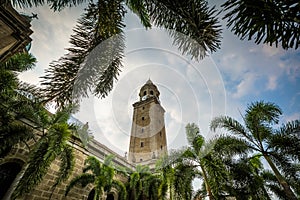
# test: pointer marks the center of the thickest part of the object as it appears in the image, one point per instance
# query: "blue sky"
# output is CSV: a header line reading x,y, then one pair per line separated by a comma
x,y
223,83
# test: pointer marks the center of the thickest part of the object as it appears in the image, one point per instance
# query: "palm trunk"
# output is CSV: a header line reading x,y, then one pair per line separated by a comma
x,y
208,189
289,193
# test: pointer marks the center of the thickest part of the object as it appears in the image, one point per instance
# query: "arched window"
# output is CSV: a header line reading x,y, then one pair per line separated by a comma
x,y
110,196
8,173
91,195
151,92
145,92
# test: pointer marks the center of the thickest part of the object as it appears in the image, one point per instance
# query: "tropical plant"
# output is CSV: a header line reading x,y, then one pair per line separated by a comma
x,y
270,22
176,178
15,102
142,183
94,61
101,175
51,145
259,136
245,179
200,157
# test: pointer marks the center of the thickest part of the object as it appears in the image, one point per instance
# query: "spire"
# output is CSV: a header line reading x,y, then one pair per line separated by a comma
x,y
149,81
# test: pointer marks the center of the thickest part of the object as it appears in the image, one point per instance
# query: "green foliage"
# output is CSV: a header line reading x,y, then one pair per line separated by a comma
x,y
50,146
199,159
278,147
15,104
56,5
192,24
94,60
270,22
101,175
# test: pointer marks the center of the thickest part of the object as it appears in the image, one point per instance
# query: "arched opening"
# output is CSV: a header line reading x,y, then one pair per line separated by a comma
x,y
91,195
151,92
8,173
110,196
145,92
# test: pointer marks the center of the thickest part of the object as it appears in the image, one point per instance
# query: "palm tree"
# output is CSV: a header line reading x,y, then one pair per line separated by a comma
x,y
52,144
200,156
101,175
258,135
15,102
139,183
176,178
94,61
270,22
245,178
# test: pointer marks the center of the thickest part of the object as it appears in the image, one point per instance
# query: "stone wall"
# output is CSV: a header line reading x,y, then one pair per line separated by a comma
x,y
43,191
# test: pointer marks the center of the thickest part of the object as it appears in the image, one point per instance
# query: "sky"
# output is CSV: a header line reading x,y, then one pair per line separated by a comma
x,y
223,83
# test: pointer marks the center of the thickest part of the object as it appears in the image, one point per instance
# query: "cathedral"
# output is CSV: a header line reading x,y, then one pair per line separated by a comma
x,y
148,143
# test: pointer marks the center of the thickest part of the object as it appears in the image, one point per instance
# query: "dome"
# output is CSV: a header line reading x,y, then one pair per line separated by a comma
x,y
148,90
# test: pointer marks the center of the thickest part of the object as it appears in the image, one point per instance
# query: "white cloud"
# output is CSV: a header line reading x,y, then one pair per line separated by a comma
x,y
245,86
291,117
272,83
190,91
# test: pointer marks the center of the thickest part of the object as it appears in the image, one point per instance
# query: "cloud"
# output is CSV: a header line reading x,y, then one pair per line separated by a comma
x,y
190,91
246,86
272,83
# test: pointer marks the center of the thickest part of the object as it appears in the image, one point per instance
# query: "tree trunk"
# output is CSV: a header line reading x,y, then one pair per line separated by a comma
x,y
208,189
289,193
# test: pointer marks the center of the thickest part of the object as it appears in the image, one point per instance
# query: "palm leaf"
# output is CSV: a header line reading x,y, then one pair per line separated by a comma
x,y
192,24
94,60
82,180
66,166
231,125
93,164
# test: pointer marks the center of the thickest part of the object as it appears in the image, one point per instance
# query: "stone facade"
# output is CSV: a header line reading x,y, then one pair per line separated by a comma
x,y
148,135
14,31
19,156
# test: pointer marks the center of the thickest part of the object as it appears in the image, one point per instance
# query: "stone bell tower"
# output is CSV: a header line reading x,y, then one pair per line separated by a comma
x,y
148,140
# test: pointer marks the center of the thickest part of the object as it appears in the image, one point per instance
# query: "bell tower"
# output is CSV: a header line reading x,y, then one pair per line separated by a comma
x,y
148,140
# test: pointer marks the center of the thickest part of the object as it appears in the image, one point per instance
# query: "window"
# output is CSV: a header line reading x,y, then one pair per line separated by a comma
x,y
142,144
143,108
145,92
160,147
160,134
151,92
141,160
143,118
142,130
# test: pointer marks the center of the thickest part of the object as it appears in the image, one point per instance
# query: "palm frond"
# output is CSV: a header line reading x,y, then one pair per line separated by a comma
x,y
94,60
37,167
138,7
12,134
19,62
82,180
192,24
93,164
66,166
270,22
231,146
229,124
120,188
261,112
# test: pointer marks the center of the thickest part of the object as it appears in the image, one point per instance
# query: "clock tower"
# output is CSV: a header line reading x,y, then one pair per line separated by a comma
x,y
148,140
